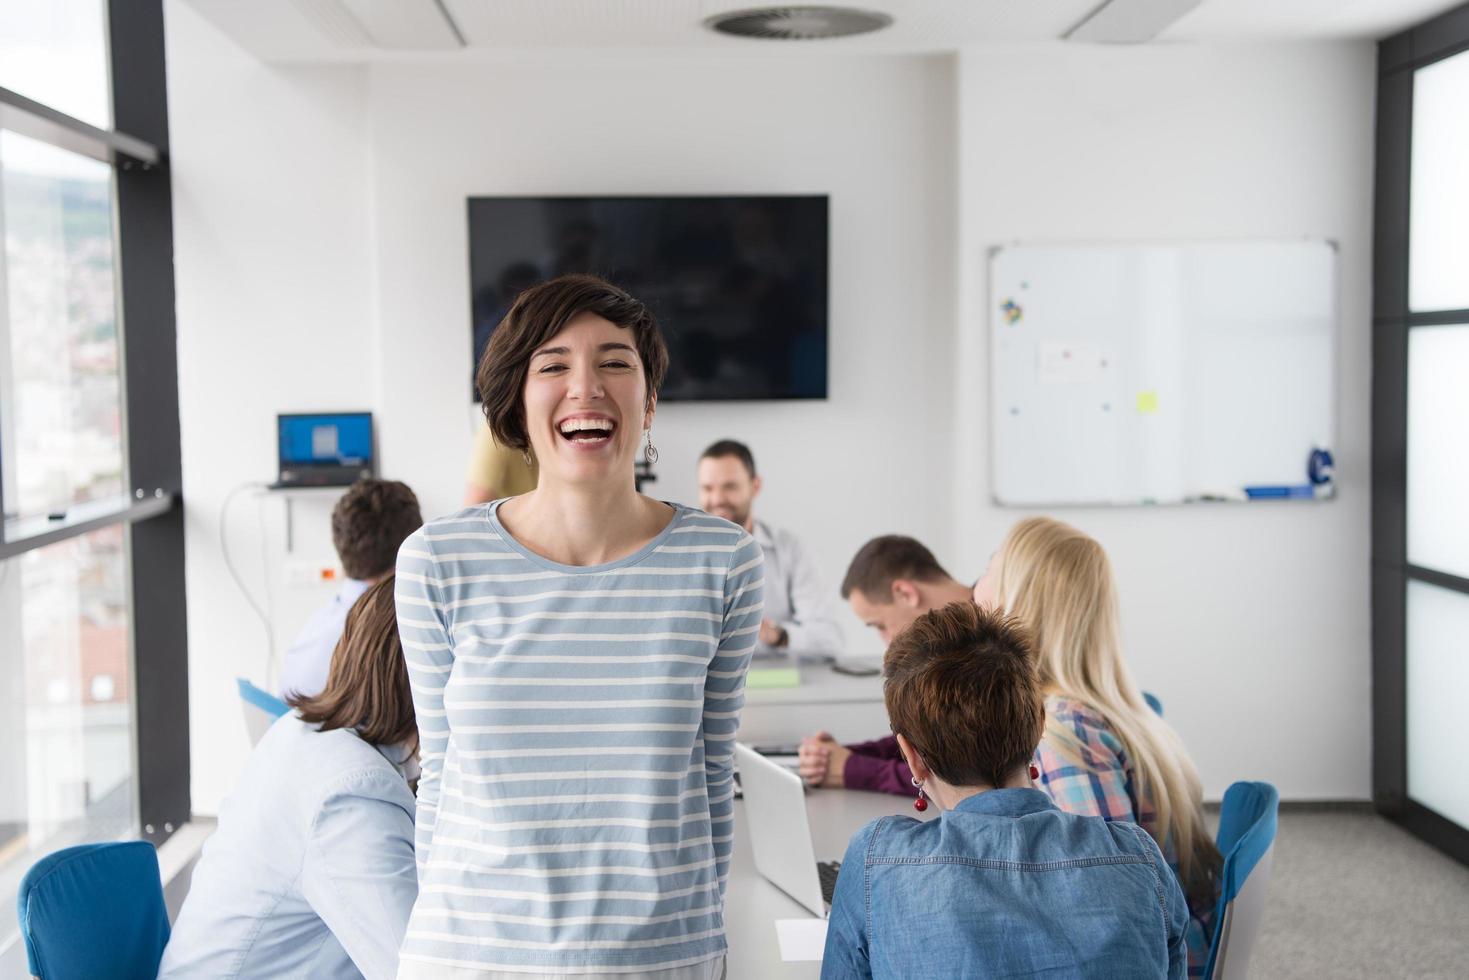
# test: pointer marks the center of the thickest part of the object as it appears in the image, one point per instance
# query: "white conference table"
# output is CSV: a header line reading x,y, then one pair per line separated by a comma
x,y
752,904
851,708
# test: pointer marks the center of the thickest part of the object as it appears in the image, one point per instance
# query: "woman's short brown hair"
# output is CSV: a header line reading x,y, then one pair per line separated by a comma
x,y
539,314
367,684
962,689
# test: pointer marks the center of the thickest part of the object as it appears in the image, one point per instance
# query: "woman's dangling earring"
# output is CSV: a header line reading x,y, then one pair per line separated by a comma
x,y
919,804
530,460
1035,772
650,451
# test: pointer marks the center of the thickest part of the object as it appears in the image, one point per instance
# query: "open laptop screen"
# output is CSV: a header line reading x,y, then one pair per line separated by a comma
x,y
340,439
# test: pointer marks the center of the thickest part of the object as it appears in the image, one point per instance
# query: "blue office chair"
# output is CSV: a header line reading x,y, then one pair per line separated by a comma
x,y
1247,840
1153,703
94,912
261,709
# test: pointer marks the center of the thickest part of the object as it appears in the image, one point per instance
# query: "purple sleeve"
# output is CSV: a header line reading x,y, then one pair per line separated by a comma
x,y
879,748
878,766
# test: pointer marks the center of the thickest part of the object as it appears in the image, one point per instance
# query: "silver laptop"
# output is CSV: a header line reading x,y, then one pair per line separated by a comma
x,y
780,836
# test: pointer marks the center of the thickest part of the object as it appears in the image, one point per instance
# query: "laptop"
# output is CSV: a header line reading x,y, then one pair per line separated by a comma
x,y
780,836
325,450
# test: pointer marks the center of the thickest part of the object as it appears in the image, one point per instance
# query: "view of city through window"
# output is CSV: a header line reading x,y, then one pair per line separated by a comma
x,y
65,660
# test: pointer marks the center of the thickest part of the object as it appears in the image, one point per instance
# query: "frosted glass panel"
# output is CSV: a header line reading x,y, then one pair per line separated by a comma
x,y
1438,676
1438,238
1438,466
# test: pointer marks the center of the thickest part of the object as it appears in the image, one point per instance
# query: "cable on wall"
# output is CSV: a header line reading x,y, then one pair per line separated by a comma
x,y
224,549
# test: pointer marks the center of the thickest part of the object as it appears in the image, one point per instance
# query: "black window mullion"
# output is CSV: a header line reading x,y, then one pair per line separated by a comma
x,y
28,534
40,122
1444,580
150,365
1390,427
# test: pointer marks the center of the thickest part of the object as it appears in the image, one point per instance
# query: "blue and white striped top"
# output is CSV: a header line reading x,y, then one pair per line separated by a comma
x,y
577,730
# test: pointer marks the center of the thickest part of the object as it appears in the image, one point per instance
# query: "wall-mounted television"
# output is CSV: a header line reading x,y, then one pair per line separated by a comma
x,y
738,284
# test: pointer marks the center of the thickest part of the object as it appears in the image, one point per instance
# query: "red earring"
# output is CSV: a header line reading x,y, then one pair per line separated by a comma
x,y
1035,772
919,804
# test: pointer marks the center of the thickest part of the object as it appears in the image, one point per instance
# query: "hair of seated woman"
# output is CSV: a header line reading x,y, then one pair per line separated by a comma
x,y
367,685
1058,581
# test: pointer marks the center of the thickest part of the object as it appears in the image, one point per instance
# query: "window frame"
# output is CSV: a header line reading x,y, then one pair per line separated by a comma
x,y
137,149
1398,59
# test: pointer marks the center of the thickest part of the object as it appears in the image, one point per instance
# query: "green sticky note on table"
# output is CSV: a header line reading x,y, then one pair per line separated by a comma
x,y
773,677
1147,403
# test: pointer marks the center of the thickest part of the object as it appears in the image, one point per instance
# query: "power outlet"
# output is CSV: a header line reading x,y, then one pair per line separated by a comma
x,y
303,574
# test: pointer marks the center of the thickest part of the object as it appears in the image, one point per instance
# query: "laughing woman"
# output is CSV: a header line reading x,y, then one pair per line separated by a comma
x,y
578,658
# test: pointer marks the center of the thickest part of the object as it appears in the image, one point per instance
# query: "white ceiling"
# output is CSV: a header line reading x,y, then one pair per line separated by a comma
x,y
1217,20
357,30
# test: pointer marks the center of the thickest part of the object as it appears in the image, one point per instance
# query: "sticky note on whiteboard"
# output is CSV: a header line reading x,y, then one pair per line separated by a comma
x,y
1147,403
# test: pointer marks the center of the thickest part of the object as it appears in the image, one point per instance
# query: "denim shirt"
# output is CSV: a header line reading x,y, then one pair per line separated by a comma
x,y
1005,885
310,872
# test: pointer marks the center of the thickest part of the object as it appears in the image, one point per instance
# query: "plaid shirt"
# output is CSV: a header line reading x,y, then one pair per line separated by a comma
x,y
1092,775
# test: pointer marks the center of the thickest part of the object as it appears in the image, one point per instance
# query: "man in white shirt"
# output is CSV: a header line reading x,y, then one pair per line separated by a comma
x,y
799,619
368,524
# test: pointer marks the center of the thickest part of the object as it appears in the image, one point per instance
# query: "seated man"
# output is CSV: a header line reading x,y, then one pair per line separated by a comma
x,y
798,620
368,524
1002,883
891,582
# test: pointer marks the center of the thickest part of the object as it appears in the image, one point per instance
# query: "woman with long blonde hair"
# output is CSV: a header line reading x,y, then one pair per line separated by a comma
x,y
1104,752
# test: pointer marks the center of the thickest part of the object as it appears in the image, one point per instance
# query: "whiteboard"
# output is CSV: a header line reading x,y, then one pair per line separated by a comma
x,y
1160,373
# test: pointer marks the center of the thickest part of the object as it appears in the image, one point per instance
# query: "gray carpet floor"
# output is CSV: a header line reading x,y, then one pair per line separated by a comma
x,y
1353,895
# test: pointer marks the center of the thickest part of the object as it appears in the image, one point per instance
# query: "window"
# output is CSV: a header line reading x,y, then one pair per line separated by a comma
x,y
63,407
1438,676
1438,249
65,659
55,52
1438,465
93,658
1420,400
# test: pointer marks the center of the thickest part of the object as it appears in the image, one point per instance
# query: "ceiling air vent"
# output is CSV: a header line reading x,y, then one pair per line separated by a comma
x,y
798,23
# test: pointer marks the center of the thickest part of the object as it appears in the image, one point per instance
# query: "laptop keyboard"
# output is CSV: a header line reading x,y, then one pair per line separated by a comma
x,y
827,871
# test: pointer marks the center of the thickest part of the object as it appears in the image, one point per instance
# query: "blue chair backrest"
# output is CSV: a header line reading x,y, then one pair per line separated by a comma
x,y
261,699
1247,822
94,912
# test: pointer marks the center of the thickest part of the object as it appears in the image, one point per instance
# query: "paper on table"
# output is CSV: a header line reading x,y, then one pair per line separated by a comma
x,y
801,940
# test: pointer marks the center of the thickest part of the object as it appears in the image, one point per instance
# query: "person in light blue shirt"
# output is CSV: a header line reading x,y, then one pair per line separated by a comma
x,y
369,522
1002,883
311,872
578,657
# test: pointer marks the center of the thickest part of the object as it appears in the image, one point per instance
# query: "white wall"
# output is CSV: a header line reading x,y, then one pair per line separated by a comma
x,y
321,258
875,133
1250,621
272,264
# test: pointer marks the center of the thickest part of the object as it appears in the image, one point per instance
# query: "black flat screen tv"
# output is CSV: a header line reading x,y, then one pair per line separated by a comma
x,y
738,284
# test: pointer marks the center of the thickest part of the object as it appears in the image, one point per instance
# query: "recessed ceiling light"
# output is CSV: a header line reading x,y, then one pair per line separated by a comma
x,y
804,23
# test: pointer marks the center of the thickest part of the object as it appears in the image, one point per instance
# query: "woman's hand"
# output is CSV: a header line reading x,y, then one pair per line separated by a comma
x,y
823,760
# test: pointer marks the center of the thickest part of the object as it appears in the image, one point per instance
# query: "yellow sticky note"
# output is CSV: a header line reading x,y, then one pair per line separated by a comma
x,y
1147,402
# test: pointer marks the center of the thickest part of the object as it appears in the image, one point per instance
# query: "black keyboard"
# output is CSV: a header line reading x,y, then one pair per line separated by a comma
x,y
827,871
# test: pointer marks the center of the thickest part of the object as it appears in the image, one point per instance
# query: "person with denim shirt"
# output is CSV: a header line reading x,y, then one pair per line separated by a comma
x,y
1002,884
